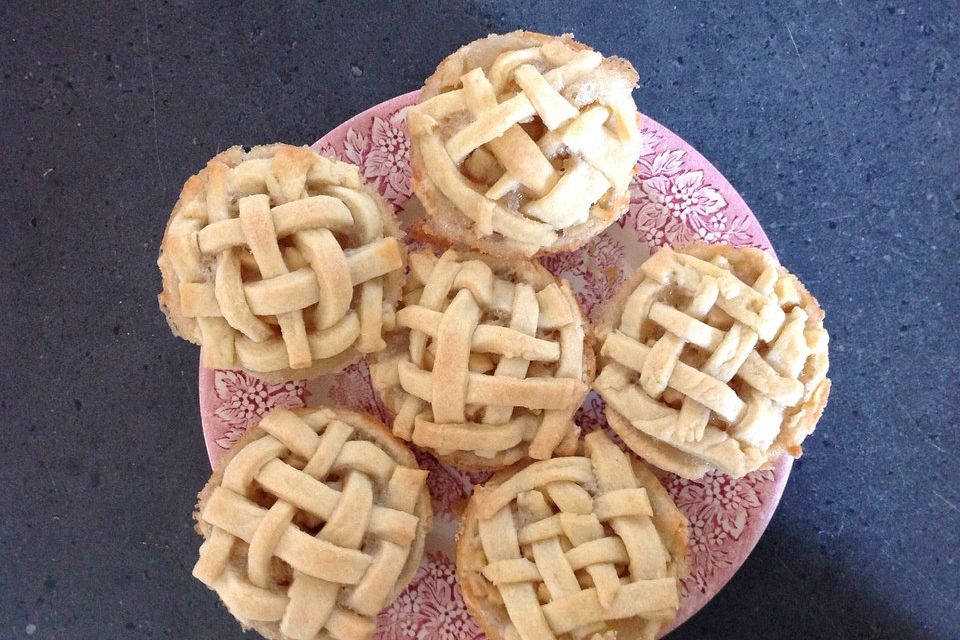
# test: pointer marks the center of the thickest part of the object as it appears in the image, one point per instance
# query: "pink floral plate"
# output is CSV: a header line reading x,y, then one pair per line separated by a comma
x,y
677,197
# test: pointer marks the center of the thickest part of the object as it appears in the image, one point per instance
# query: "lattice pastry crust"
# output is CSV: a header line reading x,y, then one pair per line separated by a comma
x,y
589,546
282,262
713,357
313,523
490,360
524,143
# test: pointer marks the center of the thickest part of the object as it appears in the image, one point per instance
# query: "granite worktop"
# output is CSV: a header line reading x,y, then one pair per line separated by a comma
x,y
836,121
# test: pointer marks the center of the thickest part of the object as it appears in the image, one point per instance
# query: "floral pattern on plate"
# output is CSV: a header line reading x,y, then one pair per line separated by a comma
x,y
244,398
676,197
430,608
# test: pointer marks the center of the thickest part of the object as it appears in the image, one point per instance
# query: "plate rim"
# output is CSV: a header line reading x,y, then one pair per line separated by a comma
x,y
782,467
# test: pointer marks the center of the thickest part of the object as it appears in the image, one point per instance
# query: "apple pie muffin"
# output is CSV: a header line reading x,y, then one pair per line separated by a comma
x,y
489,361
585,546
282,262
313,523
524,144
713,357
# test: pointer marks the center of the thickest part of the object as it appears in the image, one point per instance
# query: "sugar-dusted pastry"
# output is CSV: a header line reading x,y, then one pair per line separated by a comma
x,y
588,546
313,523
489,361
524,144
281,262
713,357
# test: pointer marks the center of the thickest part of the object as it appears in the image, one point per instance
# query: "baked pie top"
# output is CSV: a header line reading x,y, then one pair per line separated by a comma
x,y
489,361
312,525
589,546
280,261
524,143
713,357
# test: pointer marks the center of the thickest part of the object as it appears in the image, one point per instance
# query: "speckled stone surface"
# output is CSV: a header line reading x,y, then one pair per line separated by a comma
x,y
836,121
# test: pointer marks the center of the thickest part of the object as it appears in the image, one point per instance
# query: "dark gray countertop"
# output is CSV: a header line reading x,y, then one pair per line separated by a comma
x,y
836,121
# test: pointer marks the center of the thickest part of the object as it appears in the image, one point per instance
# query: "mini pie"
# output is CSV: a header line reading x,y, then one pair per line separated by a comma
x,y
590,546
524,143
713,357
312,525
281,262
489,361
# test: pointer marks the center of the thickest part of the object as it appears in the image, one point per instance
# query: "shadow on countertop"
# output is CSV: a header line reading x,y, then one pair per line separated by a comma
x,y
796,584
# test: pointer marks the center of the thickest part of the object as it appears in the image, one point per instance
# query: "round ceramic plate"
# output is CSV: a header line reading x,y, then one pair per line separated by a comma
x,y
676,197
